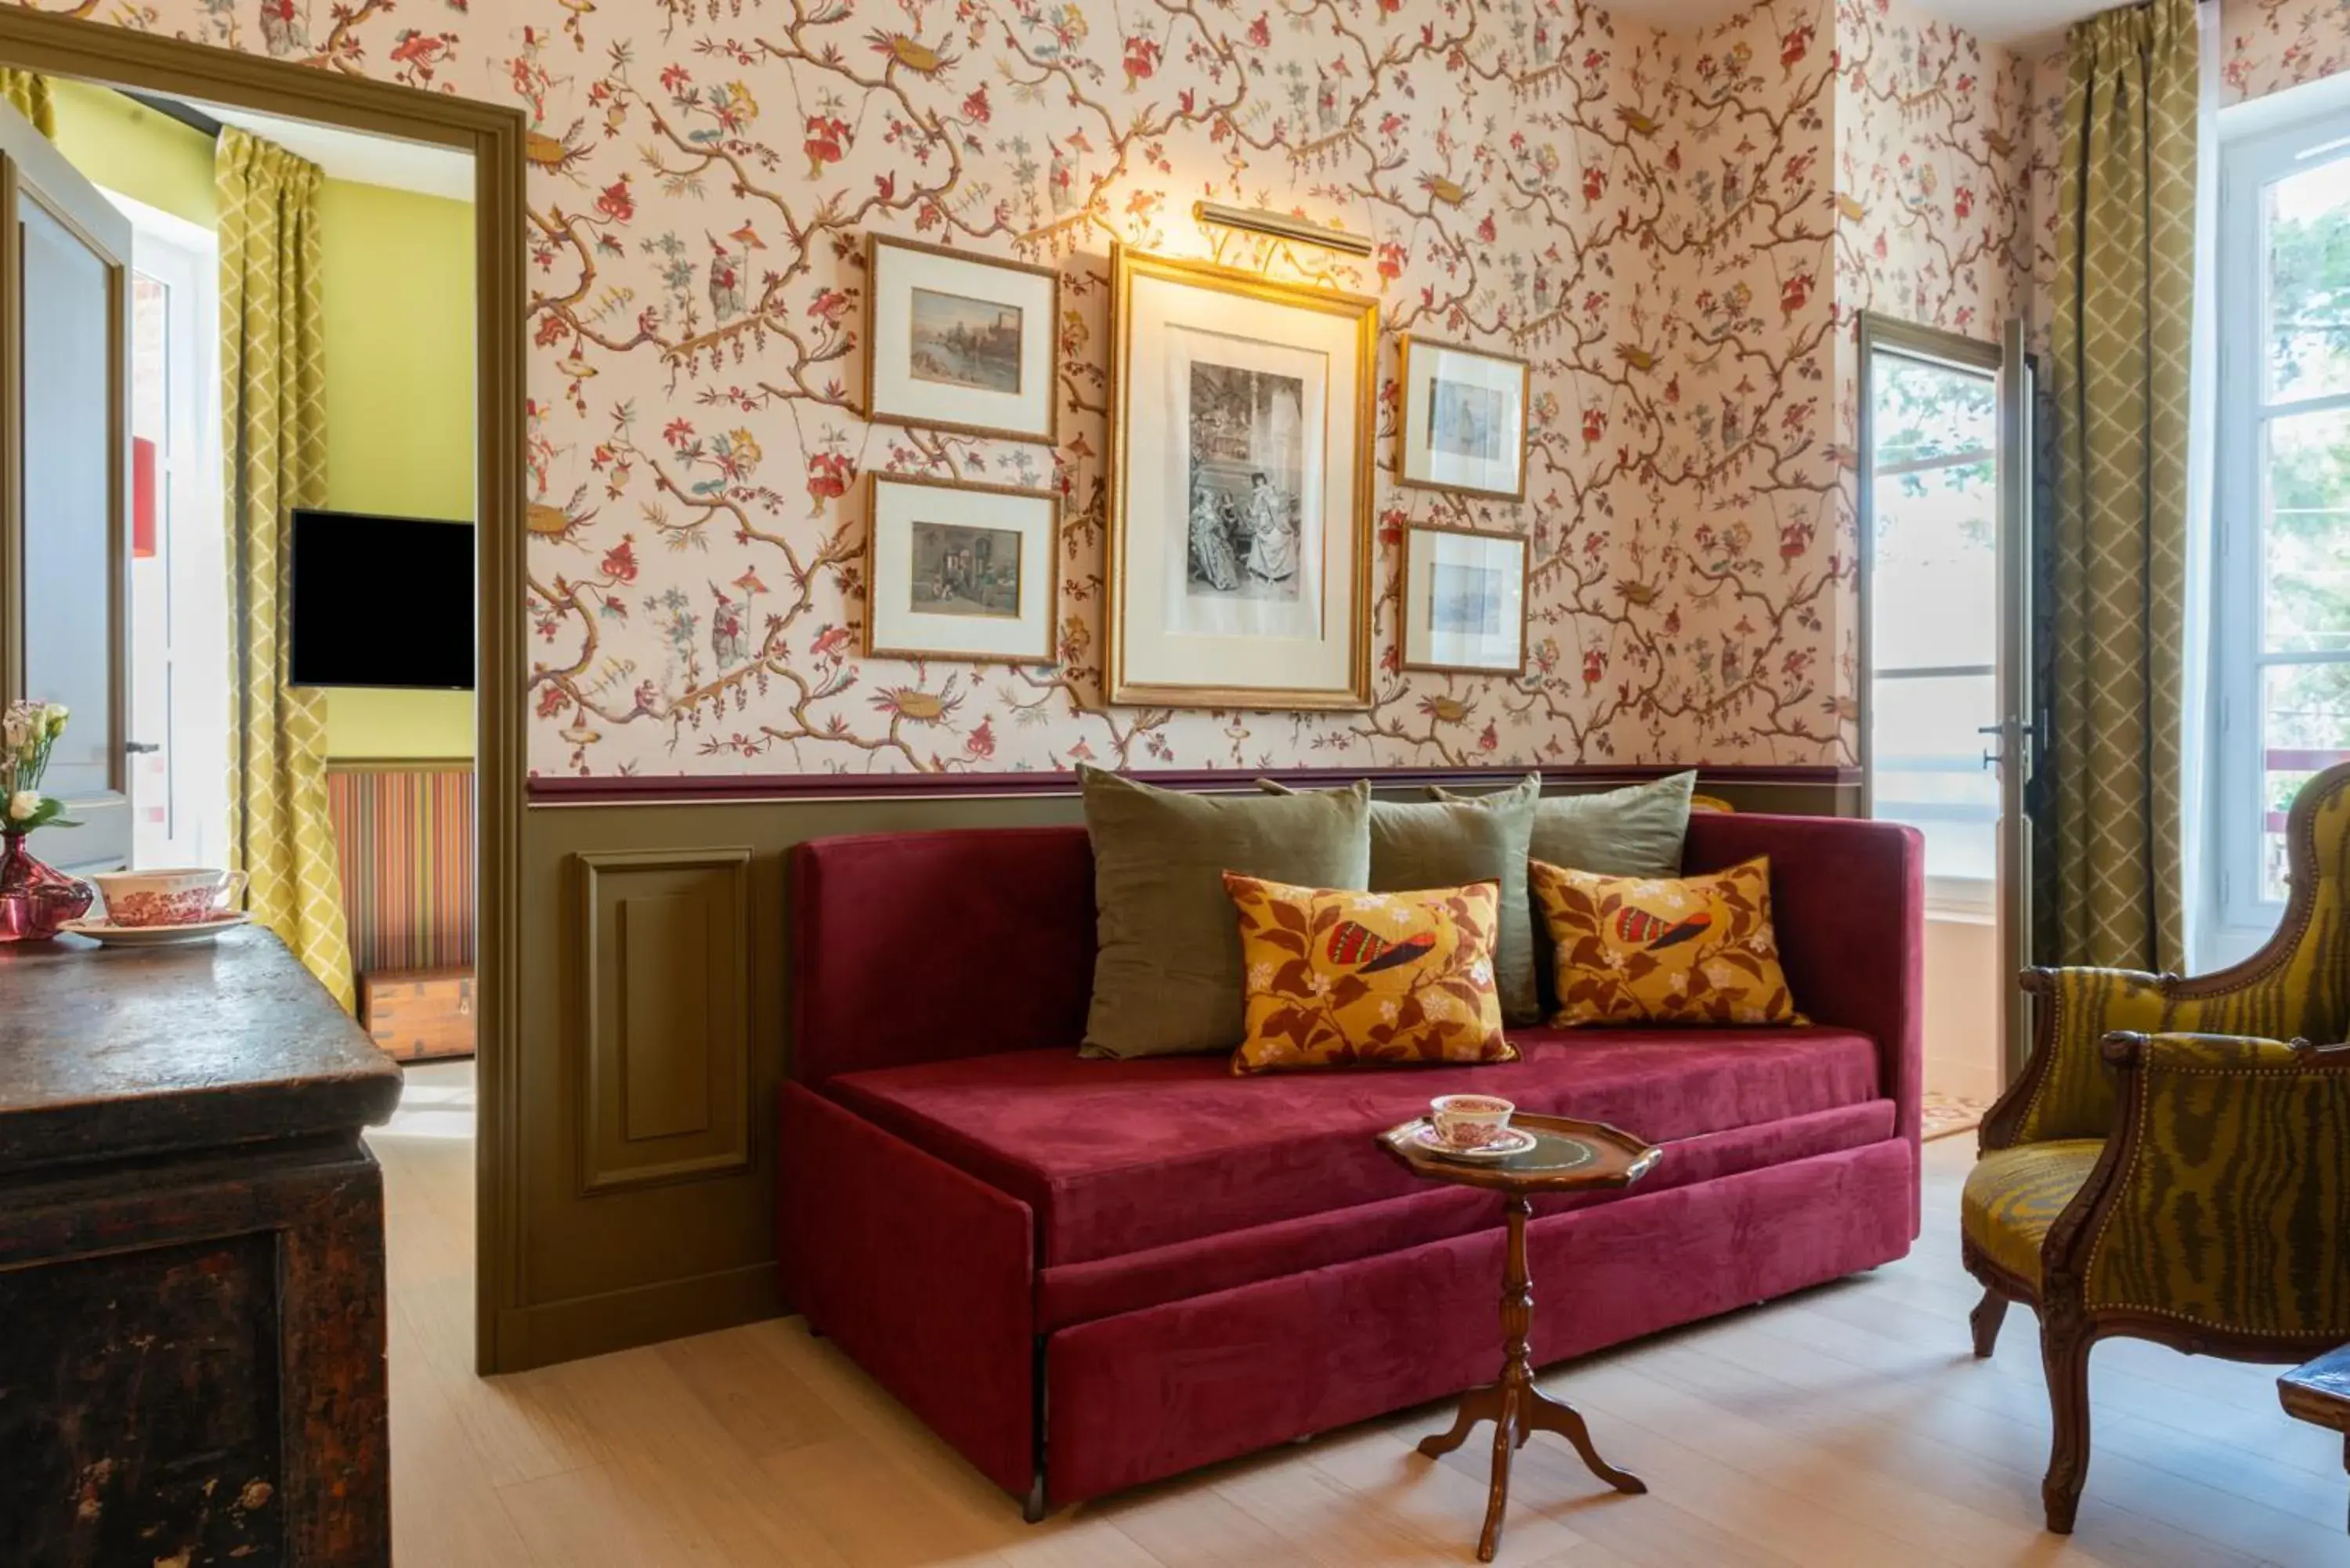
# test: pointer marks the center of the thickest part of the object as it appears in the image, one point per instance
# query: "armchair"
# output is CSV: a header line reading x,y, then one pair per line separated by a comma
x,y
2173,1163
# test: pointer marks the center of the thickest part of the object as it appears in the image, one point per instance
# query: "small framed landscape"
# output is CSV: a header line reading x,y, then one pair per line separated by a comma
x,y
1240,504
1464,419
960,571
958,342
1464,600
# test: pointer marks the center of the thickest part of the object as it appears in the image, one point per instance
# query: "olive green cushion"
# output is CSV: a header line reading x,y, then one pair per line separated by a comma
x,y
1636,831
1167,977
1417,844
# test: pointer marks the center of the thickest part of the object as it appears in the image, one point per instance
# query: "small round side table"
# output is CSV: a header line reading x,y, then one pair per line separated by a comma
x,y
1568,1155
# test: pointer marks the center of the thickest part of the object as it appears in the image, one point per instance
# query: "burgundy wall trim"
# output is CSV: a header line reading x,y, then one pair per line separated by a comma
x,y
639,790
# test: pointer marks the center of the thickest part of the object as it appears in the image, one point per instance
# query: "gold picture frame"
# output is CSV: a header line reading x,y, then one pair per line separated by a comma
x,y
896,393
1261,439
1417,634
1418,464
1022,633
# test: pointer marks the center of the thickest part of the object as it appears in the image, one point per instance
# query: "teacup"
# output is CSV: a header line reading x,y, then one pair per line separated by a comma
x,y
1469,1121
175,896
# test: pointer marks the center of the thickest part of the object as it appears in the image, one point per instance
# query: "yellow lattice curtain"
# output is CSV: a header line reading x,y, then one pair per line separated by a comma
x,y
274,420
27,93
2125,281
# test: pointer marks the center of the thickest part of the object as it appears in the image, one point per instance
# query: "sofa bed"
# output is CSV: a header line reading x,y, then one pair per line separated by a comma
x,y
1087,1274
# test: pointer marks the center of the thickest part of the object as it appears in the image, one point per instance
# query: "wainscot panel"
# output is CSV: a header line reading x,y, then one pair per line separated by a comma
x,y
617,1255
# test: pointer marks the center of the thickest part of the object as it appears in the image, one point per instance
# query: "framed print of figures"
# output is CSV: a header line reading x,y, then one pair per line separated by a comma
x,y
1464,600
960,571
1464,419
1240,502
958,342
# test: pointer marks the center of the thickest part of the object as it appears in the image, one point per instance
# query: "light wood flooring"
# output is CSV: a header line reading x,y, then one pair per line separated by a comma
x,y
1846,1427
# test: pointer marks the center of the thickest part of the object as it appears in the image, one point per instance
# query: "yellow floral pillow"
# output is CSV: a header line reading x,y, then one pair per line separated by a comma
x,y
1339,979
1657,950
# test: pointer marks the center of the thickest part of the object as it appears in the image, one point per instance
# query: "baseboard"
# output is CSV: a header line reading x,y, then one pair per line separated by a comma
x,y
619,1320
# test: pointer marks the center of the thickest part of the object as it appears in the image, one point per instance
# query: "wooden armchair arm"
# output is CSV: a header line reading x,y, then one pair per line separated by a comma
x,y
2220,1203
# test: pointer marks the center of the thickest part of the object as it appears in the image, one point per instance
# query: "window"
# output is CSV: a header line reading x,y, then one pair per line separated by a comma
x,y
1932,595
2280,636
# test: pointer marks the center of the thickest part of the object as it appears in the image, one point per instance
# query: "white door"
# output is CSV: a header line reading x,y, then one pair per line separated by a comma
x,y
179,662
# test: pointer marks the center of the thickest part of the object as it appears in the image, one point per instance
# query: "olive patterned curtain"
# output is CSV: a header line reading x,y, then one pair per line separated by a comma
x,y
2125,288
28,94
275,442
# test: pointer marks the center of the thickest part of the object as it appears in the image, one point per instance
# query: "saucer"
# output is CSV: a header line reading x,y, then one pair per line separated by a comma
x,y
1513,1140
156,936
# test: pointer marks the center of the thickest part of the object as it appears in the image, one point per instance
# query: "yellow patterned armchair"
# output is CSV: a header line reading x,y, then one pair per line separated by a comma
x,y
2174,1164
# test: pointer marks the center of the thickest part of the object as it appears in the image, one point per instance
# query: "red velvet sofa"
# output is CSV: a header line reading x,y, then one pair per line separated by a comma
x,y
1087,1274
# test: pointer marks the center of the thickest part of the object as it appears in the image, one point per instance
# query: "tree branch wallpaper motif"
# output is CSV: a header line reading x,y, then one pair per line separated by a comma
x,y
1675,230
1627,213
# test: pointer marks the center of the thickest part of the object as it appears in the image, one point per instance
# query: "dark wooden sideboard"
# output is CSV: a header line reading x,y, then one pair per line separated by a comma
x,y
191,1266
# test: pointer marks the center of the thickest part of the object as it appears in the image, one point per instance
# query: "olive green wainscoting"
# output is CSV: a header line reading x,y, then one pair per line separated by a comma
x,y
641,1134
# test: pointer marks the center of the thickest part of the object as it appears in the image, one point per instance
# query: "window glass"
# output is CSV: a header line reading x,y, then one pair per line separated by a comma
x,y
1933,602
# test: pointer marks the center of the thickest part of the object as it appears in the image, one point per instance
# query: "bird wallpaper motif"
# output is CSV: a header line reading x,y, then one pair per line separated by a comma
x,y
1675,229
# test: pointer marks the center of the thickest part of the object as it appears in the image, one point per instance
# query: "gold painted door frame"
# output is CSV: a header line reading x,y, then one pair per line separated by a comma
x,y
118,56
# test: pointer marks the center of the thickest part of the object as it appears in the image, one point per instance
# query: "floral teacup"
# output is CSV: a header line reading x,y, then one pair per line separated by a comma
x,y
176,895
1469,1121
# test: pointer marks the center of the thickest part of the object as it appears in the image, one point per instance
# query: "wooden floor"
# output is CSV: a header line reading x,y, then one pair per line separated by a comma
x,y
1846,1427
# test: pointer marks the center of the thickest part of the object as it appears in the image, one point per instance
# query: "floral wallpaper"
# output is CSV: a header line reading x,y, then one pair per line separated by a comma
x,y
2267,45
1674,230
1627,213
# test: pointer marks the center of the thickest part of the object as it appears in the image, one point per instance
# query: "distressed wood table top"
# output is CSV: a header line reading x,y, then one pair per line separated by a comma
x,y
112,1053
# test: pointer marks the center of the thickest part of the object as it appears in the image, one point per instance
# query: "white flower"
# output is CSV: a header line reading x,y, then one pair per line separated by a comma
x,y
1318,984
22,805
55,718
1259,976
1389,1010
1480,972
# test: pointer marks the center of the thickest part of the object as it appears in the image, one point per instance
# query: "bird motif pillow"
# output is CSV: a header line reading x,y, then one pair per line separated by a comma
x,y
1338,979
1655,950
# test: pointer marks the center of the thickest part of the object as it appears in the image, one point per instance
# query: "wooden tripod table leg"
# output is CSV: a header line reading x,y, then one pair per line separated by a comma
x,y
1515,1406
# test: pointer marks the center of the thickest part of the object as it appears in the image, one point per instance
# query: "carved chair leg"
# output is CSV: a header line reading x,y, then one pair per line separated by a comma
x,y
1989,1314
2065,1352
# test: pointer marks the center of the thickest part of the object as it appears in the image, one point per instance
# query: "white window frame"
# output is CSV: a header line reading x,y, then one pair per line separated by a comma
x,y
1971,899
184,257
2255,153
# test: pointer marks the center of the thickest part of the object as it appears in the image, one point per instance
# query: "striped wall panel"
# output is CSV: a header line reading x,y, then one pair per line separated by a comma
x,y
406,840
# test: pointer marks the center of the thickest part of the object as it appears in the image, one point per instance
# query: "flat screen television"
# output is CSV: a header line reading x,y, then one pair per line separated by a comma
x,y
382,601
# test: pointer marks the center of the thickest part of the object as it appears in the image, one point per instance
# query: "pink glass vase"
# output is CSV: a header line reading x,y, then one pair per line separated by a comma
x,y
34,900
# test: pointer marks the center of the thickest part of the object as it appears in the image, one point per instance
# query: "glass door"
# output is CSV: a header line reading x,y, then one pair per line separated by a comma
x,y
64,472
1945,682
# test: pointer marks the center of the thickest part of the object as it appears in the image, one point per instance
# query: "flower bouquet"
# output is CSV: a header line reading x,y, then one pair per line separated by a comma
x,y
34,900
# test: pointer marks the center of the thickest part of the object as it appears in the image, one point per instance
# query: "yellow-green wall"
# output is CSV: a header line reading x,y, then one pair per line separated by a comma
x,y
397,271
146,156
396,278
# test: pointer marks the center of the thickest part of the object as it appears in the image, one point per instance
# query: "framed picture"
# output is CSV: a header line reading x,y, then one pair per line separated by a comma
x,y
958,342
1464,600
1240,500
1464,419
960,571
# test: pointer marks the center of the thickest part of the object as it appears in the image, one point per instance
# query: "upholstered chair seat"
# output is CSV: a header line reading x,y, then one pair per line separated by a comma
x,y
2173,1163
